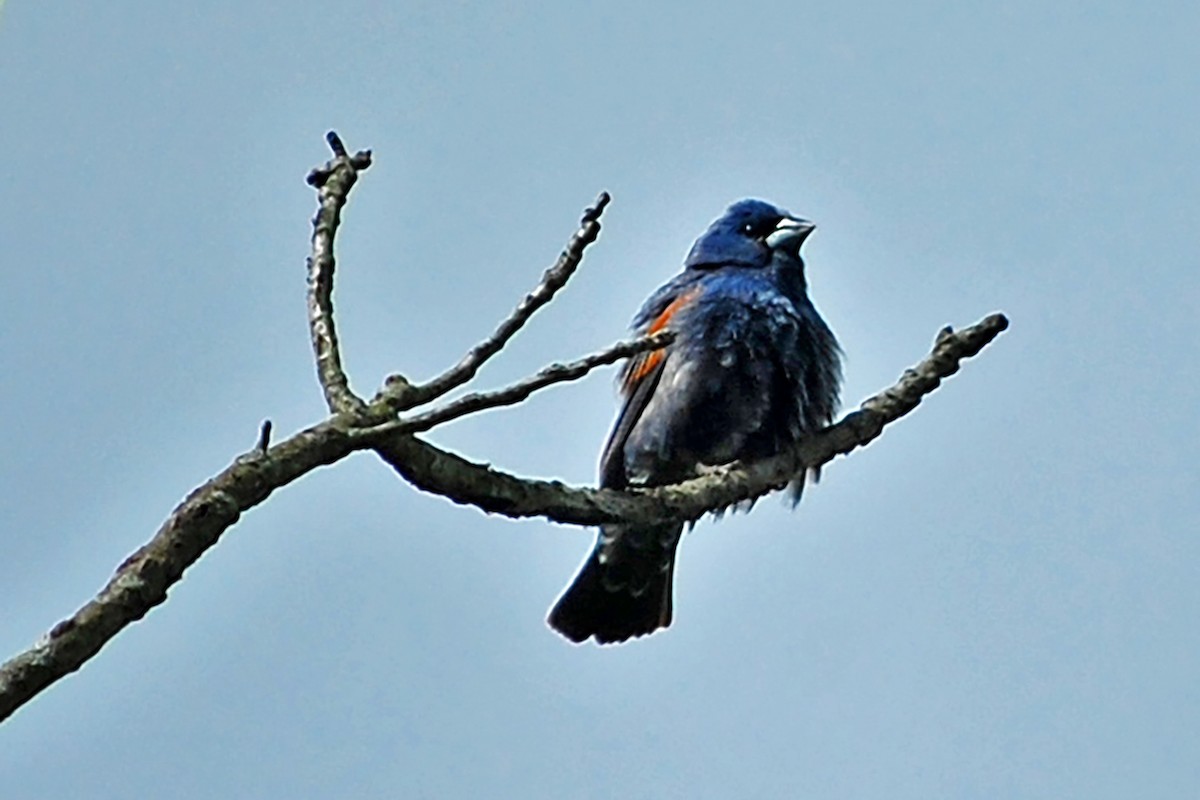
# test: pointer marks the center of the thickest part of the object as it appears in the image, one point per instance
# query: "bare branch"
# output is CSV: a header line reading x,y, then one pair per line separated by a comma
x,y
436,471
511,395
333,183
142,580
553,279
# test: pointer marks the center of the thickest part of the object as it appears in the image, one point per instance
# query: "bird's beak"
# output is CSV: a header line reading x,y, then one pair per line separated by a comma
x,y
789,234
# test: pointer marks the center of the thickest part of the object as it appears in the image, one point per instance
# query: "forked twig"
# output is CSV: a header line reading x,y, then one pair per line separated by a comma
x,y
552,280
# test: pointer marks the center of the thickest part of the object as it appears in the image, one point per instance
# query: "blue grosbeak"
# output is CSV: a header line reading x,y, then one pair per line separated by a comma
x,y
752,369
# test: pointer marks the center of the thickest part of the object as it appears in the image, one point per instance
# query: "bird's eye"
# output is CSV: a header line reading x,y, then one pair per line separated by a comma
x,y
758,230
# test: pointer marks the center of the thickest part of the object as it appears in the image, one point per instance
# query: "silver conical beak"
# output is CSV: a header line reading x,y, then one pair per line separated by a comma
x,y
789,234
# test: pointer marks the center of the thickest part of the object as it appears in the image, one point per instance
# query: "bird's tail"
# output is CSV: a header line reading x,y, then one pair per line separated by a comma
x,y
623,588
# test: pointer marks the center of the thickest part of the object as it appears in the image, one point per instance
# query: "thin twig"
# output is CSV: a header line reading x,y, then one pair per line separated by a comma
x,y
333,183
264,436
553,279
511,395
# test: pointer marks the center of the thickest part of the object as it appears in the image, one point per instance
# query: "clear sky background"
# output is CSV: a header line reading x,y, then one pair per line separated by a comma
x,y
999,598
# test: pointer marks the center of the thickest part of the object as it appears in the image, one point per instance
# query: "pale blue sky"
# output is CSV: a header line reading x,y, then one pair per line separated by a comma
x,y
999,598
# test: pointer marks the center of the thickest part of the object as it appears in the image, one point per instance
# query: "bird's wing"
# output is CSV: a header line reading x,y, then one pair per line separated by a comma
x,y
638,383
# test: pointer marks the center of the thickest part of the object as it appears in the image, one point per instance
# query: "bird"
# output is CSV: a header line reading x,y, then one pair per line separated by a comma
x,y
752,369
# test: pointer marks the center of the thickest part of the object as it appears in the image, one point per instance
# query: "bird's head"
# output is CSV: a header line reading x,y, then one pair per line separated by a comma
x,y
751,233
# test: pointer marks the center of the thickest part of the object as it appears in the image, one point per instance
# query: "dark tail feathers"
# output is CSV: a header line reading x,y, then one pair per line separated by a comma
x,y
587,608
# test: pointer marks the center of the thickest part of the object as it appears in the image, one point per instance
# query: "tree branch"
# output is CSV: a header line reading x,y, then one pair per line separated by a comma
x,y
333,183
141,582
468,483
553,279
511,395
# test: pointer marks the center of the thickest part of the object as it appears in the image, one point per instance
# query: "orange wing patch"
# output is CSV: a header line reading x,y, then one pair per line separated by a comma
x,y
645,363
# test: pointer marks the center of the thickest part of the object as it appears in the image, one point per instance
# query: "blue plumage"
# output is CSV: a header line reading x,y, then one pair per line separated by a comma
x,y
753,368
